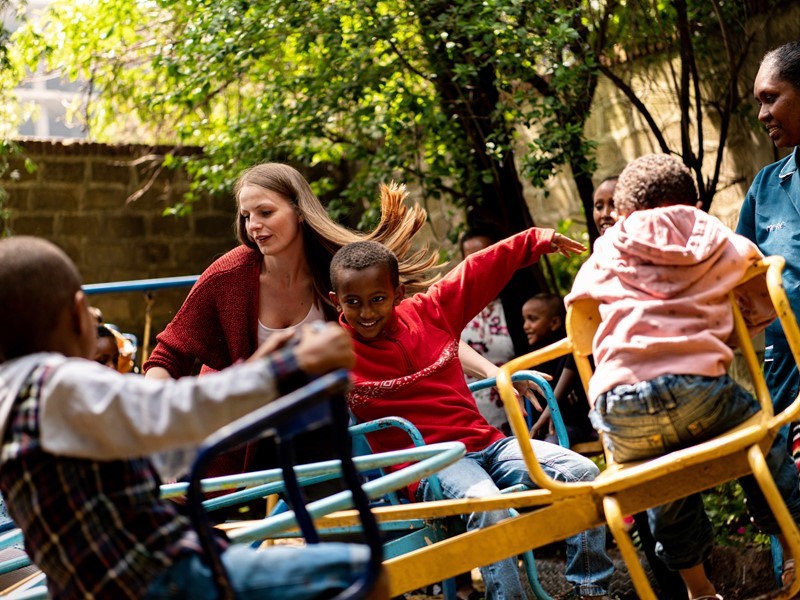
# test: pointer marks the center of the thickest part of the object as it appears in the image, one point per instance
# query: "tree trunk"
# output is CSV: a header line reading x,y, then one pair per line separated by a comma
x,y
473,103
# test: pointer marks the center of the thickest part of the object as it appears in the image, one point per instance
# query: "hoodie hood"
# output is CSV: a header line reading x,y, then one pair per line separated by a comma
x,y
664,251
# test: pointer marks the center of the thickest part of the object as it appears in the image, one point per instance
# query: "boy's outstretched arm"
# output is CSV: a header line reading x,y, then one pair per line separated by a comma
x,y
479,278
89,411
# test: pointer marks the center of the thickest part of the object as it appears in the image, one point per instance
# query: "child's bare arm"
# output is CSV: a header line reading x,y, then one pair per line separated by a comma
x,y
544,422
473,363
568,379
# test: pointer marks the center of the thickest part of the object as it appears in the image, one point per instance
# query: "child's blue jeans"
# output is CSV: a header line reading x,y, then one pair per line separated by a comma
x,y
651,418
277,573
499,466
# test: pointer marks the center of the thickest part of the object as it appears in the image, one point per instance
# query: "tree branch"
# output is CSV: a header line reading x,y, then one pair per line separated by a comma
x,y
638,104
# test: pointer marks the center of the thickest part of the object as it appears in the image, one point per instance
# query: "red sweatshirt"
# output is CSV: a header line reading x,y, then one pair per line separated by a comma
x,y
411,369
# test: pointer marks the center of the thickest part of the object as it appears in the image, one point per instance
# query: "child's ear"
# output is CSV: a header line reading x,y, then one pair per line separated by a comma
x,y
399,293
335,299
84,325
556,323
81,317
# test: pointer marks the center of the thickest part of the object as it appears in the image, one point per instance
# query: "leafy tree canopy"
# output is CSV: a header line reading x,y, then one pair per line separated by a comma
x,y
695,50
430,92
426,91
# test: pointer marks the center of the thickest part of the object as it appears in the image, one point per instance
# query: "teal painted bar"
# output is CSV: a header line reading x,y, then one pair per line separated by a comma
x,y
544,385
437,456
12,564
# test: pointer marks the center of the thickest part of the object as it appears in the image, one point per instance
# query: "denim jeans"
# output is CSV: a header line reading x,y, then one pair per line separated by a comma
x,y
277,573
651,418
500,465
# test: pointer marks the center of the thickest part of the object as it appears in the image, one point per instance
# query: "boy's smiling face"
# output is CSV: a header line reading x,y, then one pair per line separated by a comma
x,y
538,323
367,298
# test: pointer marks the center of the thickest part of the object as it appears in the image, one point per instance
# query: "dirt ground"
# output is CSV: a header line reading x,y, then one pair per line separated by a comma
x,y
738,573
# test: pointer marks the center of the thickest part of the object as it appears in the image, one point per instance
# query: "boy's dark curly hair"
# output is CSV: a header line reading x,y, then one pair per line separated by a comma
x,y
654,180
358,256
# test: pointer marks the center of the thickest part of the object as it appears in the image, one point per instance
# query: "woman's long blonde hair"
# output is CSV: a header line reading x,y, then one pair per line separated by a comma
x,y
323,236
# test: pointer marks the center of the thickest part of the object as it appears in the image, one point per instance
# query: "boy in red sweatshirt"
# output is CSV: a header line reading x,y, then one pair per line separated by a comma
x,y
407,366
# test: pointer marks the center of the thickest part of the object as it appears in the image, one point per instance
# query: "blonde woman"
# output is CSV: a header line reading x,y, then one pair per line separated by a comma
x,y
275,281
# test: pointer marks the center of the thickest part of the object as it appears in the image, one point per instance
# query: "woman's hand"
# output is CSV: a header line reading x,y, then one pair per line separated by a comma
x,y
566,246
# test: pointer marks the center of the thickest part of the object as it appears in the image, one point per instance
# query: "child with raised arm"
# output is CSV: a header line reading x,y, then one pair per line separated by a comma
x,y
76,436
407,366
662,349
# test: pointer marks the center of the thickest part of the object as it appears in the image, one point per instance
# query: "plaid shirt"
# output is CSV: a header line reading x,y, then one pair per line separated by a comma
x,y
97,529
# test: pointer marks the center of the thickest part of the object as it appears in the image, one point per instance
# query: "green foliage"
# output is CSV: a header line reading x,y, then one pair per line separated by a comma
x,y
9,117
425,91
726,508
695,52
430,92
9,151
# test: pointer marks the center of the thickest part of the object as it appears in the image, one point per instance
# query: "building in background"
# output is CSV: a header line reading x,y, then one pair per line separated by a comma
x,y
45,98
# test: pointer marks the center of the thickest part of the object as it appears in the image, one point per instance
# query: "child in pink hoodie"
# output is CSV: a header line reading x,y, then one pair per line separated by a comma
x,y
662,349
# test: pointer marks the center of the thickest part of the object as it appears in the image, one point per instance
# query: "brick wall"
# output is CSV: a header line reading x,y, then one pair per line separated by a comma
x,y
78,198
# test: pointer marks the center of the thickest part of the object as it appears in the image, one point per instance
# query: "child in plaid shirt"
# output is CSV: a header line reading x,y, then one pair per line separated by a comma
x,y
76,436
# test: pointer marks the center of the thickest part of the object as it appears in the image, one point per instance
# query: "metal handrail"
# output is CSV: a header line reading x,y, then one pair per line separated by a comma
x,y
140,285
547,392
319,401
148,286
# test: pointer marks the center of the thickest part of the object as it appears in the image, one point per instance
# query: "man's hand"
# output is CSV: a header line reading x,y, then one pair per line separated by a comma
x,y
320,347
274,342
566,246
323,348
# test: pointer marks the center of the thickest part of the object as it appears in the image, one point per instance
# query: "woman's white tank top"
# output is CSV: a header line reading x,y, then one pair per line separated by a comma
x,y
314,314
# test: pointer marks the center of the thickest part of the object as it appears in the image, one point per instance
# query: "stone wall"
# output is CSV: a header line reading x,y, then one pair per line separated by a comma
x,y
79,198
622,134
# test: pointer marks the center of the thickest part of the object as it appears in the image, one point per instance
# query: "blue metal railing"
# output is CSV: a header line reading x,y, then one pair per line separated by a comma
x,y
140,285
146,286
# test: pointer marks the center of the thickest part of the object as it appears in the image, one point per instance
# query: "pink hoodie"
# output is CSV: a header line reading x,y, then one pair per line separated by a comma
x,y
663,276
